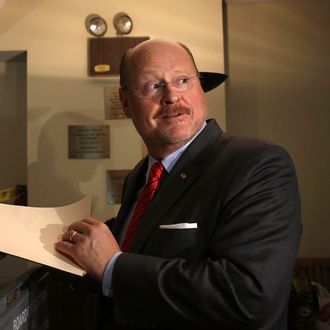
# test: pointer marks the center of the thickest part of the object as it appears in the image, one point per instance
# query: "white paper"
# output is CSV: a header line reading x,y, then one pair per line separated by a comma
x,y
31,232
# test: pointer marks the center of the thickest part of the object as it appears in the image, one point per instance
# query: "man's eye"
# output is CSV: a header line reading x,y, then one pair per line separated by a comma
x,y
152,86
181,81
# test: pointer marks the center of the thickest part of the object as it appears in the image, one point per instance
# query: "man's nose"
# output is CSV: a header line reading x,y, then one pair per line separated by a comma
x,y
170,95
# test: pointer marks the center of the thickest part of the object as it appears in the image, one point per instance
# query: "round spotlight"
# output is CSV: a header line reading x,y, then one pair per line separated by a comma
x,y
123,23
96,25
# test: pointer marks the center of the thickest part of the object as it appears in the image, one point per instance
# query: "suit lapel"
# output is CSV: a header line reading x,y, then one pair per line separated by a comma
x,y
171,191
182,176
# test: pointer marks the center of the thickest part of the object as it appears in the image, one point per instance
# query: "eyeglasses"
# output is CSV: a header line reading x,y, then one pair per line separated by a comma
x,y
156,88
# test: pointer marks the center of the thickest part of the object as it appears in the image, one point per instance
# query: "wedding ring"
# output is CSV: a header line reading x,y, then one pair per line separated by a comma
x,y
72,236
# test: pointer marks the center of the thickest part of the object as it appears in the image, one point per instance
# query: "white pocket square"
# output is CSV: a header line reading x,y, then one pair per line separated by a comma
x,y
183,225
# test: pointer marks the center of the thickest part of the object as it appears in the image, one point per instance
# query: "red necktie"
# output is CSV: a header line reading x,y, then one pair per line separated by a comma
x,y
143,202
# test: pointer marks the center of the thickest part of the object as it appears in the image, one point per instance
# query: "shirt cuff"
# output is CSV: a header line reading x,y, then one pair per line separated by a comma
x,y
107,276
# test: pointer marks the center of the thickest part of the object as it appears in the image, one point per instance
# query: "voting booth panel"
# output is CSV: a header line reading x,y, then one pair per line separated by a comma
x,y
24,302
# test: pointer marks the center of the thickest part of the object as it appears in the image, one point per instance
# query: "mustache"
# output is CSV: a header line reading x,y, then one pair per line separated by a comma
x,y
171,111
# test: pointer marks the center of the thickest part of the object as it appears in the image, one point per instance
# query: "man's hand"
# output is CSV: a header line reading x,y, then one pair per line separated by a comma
x,y
90,244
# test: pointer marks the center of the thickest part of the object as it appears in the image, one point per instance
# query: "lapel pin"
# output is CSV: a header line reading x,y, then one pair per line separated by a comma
x,y
183,176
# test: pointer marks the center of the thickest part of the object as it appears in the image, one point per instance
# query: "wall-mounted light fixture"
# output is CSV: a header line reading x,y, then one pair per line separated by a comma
x,y
96,25
122,23
104,54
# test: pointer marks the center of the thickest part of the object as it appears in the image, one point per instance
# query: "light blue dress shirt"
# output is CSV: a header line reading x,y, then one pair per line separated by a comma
x,y
168,163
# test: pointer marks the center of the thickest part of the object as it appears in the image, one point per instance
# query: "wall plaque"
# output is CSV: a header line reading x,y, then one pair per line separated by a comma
x,y
89,142
112,106
115,183
104,54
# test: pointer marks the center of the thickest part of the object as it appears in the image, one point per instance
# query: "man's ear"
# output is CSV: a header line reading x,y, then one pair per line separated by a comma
x,y
124,102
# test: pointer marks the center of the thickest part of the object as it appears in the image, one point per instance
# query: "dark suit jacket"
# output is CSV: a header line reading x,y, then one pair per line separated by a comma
x,y
234,270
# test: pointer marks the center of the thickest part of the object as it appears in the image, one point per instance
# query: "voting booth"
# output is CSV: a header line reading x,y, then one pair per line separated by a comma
x,y
24,302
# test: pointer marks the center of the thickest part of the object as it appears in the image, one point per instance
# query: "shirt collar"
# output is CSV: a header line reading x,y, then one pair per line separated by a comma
x,y
170,160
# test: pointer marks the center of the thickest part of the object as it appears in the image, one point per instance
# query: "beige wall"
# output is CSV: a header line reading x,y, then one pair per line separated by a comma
x,y
60,93
279,89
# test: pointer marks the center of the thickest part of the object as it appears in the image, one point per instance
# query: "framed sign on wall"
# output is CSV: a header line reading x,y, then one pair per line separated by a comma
x,y
104,54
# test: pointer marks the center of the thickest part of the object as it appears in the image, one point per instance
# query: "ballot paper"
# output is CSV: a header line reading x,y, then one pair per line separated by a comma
x,y
31,232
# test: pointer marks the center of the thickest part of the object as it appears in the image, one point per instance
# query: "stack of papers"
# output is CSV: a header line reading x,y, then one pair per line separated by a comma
x,y
31,232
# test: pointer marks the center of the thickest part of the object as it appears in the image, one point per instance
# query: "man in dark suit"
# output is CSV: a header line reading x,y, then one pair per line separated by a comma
x,y
216,247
